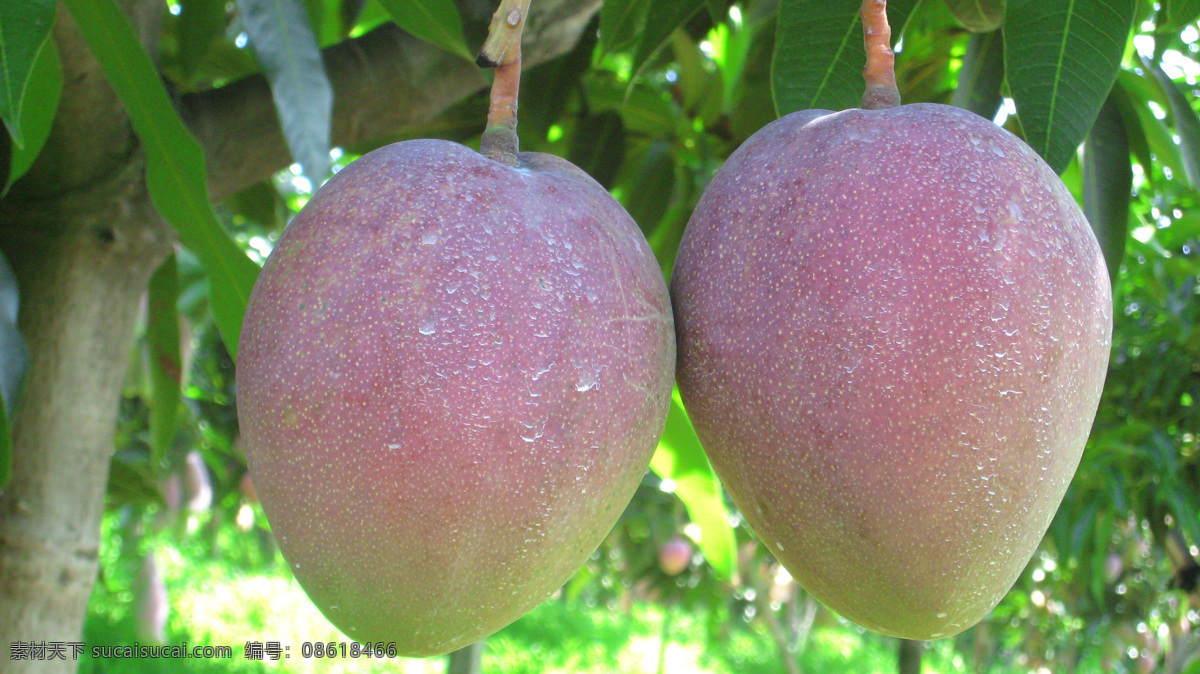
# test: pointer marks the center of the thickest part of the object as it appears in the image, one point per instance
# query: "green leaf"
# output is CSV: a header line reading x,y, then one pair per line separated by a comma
x,y
287,50
643,109
819,53
1162,150
1134,133
260,203
1108,184
166,363
37,110
621,22
24,27
200,22
680,459
1184,509
598,146
649,190
546,89
662,18
175,172
982,75
1061,59
978,16
1176,14
1187,126
435,21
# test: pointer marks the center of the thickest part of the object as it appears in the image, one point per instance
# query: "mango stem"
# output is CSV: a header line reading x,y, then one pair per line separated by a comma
x,y
880,71
502,51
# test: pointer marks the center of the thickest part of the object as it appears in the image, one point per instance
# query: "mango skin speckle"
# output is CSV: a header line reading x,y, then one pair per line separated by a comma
x,y
894,327
451,377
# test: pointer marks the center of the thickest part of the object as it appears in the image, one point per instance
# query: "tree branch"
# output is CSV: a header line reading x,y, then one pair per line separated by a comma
x,y
383,82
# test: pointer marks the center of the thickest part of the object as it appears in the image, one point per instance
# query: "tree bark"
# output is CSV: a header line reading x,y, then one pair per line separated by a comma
x,y
84,238
466,660
909,656
81,290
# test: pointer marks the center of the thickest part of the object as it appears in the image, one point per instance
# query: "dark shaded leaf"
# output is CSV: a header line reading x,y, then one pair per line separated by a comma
x,y
37,111
1108,184
290,58
200,22
1176,14
819,53
1061,60
599,146
24,27
1134,134
649,191
258,203
643,109
982,75
621,22
978,16
166,363
435,21
546,89
1187,126
662,18
681,459
175,172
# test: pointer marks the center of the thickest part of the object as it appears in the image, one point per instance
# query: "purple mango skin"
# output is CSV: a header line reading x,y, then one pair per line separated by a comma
x,y
894,327
451,377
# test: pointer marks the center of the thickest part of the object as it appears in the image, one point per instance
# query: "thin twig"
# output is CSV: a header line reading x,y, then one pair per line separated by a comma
x,y
880,71
502,51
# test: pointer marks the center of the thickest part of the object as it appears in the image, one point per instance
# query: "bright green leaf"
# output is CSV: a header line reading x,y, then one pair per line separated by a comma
x,y
24,27
1187,125
166,364
1165,153
1108,184
662,18
287,49
37,110
680,459
435,21
1061,59
819,53
175,172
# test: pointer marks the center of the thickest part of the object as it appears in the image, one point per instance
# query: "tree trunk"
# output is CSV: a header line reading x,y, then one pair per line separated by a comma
x,y
909,660
466,660
81,290
83,238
